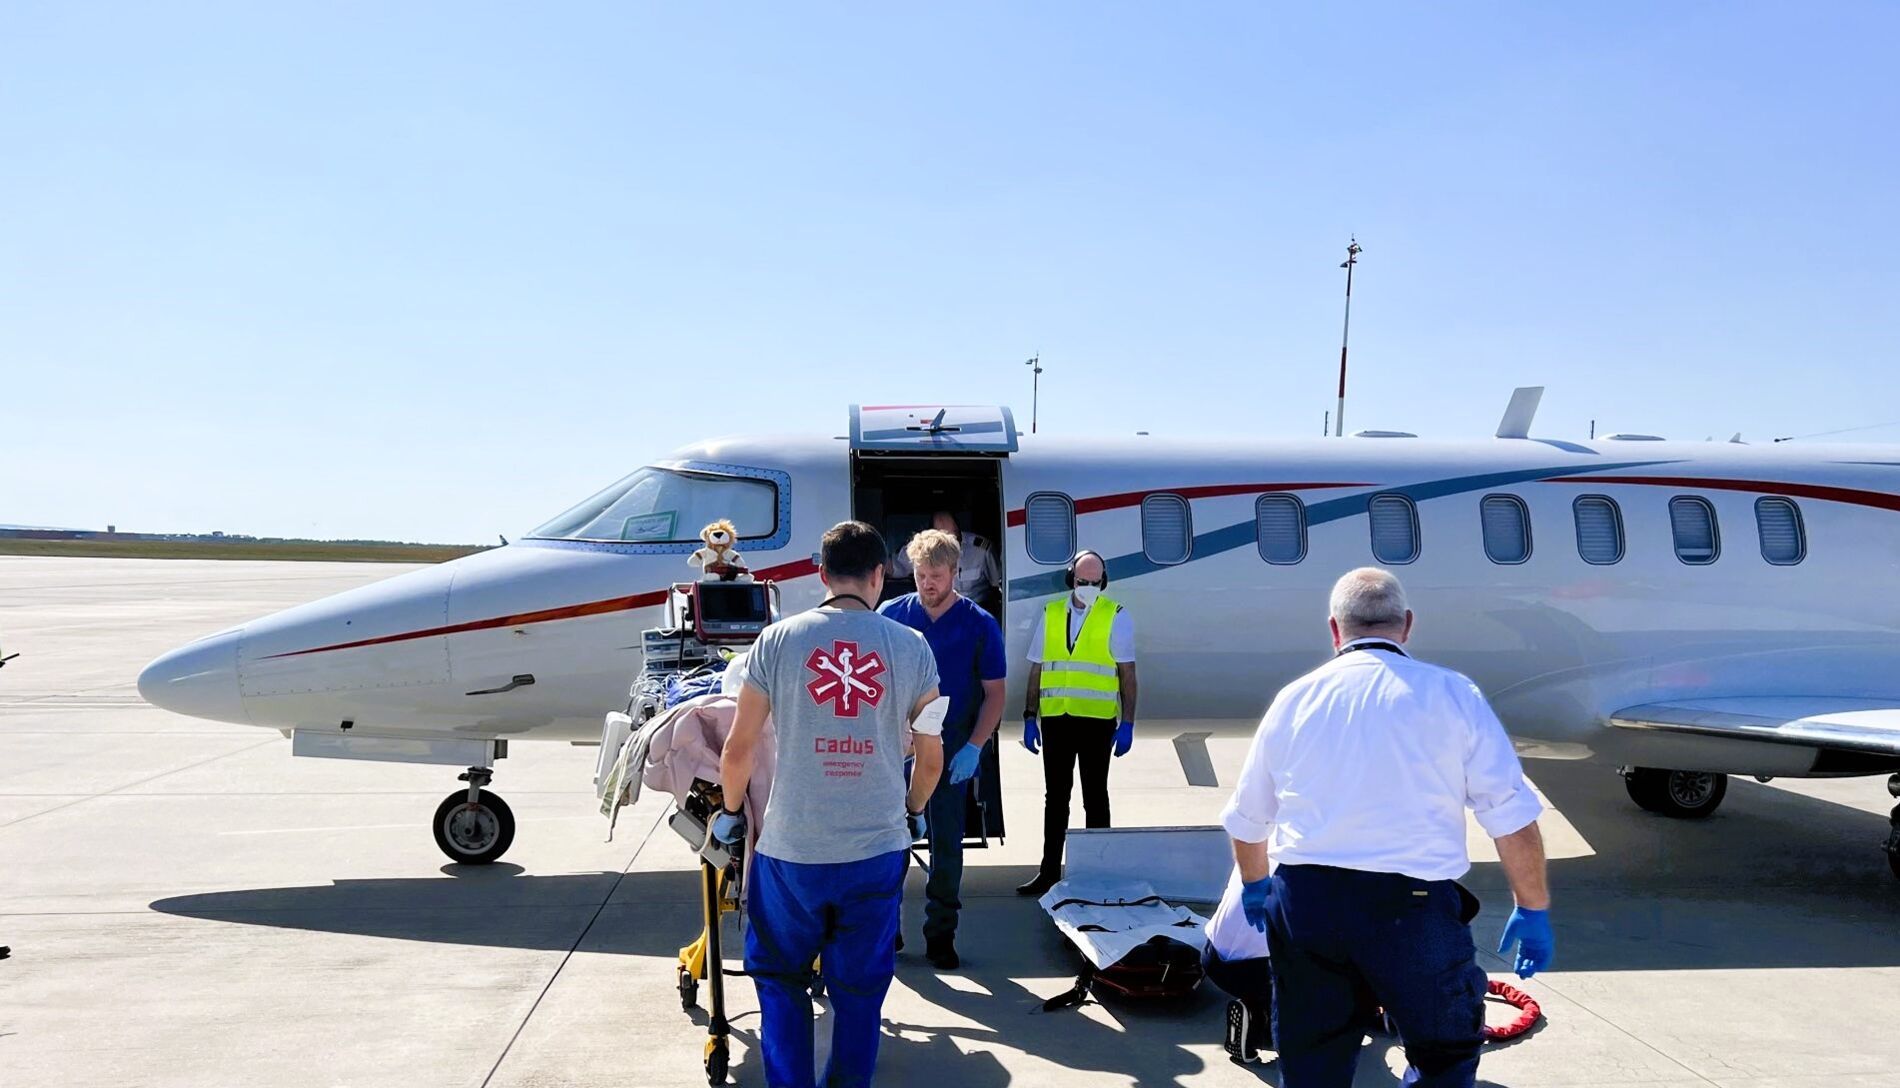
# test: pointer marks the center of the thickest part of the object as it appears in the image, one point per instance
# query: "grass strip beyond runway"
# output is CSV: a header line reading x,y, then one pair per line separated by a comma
x,y
292,550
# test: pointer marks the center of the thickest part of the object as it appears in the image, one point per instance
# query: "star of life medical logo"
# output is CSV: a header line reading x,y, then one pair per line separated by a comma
x,y
846,678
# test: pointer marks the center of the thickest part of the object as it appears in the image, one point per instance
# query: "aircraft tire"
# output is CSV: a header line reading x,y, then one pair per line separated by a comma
x,y
1682,795
474,834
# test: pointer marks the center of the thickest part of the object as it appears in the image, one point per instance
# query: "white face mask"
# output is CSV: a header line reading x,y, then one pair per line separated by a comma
x,y
1087,594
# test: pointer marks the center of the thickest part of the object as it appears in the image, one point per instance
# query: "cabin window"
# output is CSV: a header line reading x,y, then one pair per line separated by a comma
x,y
1167,529
1279,523
1394,528
1784,540
1507,528
1599,530
1692,520
1049,528
669,506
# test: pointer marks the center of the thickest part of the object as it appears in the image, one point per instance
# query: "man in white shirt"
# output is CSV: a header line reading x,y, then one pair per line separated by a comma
x,y
1349,832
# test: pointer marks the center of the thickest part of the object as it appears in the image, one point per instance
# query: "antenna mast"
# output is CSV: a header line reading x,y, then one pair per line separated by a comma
x,y
1353,249
1034,362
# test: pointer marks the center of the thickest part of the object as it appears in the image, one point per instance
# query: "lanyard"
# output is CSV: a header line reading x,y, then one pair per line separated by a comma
x,y
1390,647
827,602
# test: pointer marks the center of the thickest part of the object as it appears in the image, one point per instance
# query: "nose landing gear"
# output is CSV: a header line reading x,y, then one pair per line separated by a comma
x,y
474,826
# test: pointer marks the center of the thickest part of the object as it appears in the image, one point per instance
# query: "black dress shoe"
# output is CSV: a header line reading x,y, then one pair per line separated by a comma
x,y
943,955
1042,883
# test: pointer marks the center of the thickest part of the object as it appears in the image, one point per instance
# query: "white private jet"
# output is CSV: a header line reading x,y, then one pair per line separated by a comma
x,y
1681,611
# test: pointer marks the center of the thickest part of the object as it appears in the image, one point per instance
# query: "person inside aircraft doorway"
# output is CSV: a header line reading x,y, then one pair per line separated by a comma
x,y
1081,704
978,576
971,665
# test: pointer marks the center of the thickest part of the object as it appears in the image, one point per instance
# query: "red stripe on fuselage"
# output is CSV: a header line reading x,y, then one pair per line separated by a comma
x,y
782,572
786,571
1206,491
1880,500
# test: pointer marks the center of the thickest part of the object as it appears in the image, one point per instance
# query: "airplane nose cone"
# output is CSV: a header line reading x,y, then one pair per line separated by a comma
x,y
198,680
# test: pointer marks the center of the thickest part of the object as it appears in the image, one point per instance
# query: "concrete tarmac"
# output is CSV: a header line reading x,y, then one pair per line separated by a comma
x,y
188,906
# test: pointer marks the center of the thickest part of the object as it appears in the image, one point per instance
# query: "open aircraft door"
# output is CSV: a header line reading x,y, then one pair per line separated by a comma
x,y
911,462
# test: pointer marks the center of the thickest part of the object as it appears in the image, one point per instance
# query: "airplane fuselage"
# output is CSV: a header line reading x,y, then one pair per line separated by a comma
x,y
1556,641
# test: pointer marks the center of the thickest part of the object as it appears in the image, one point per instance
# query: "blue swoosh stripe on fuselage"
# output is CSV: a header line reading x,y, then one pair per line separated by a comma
x,y
1229,537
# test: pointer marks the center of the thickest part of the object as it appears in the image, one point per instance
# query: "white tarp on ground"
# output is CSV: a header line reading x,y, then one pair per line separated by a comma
x,y
1107,919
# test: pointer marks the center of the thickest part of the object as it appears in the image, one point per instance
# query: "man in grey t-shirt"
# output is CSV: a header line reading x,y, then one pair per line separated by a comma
x,y
844,687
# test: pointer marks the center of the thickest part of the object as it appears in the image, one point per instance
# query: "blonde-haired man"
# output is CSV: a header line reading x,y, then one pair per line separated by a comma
x,y
971,665
979,577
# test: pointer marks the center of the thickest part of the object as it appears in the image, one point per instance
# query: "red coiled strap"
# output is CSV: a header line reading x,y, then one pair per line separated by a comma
x,y
1528,1015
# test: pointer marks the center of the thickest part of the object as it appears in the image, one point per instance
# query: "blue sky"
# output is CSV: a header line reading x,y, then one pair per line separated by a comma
x,y
437,273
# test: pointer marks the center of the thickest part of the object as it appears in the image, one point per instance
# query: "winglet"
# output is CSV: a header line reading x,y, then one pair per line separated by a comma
x,y
1519,413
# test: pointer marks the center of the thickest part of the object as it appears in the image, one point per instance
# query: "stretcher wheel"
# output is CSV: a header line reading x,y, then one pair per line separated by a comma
x,y
716,1058
818,985
689,989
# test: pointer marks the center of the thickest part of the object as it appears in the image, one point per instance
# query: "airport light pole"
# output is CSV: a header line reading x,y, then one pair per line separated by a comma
x,y
1353,250
1034,362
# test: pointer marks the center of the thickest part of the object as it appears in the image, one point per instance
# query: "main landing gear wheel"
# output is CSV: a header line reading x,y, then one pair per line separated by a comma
x,y
474,831
1685,795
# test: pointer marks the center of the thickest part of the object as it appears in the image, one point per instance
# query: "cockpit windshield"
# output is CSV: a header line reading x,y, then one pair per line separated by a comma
x,y
669,506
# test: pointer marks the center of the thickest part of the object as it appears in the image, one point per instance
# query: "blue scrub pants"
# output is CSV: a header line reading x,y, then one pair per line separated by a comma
x,y
946,809
847,913
1343,941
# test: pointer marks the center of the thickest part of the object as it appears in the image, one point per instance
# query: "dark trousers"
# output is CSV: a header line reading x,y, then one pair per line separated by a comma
x,y
1342,940
1066,741
846,913
1249,982
945,811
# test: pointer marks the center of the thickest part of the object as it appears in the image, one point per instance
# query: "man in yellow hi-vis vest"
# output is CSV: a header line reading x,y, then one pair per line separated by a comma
x,y
1081,704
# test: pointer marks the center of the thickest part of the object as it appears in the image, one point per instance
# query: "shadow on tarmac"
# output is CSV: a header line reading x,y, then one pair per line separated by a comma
x,y
1774,880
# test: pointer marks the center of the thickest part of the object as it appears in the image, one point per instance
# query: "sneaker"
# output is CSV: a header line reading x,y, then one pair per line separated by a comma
x,y
1042,883
1240,1034
943,955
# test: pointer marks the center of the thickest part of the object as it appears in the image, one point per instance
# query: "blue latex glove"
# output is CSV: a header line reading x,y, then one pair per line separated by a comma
x,y
1253,902
1032,737
963,764
918,824
1124,737
1530,931
728,827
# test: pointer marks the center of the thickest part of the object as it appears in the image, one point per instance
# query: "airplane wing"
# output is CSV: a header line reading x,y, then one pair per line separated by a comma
x,y
1810,721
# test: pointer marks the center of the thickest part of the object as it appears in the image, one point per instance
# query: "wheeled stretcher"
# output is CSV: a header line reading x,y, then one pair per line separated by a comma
x,y
721,880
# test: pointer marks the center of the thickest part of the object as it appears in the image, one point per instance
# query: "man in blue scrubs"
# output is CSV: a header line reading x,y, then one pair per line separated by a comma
x,y
968,646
